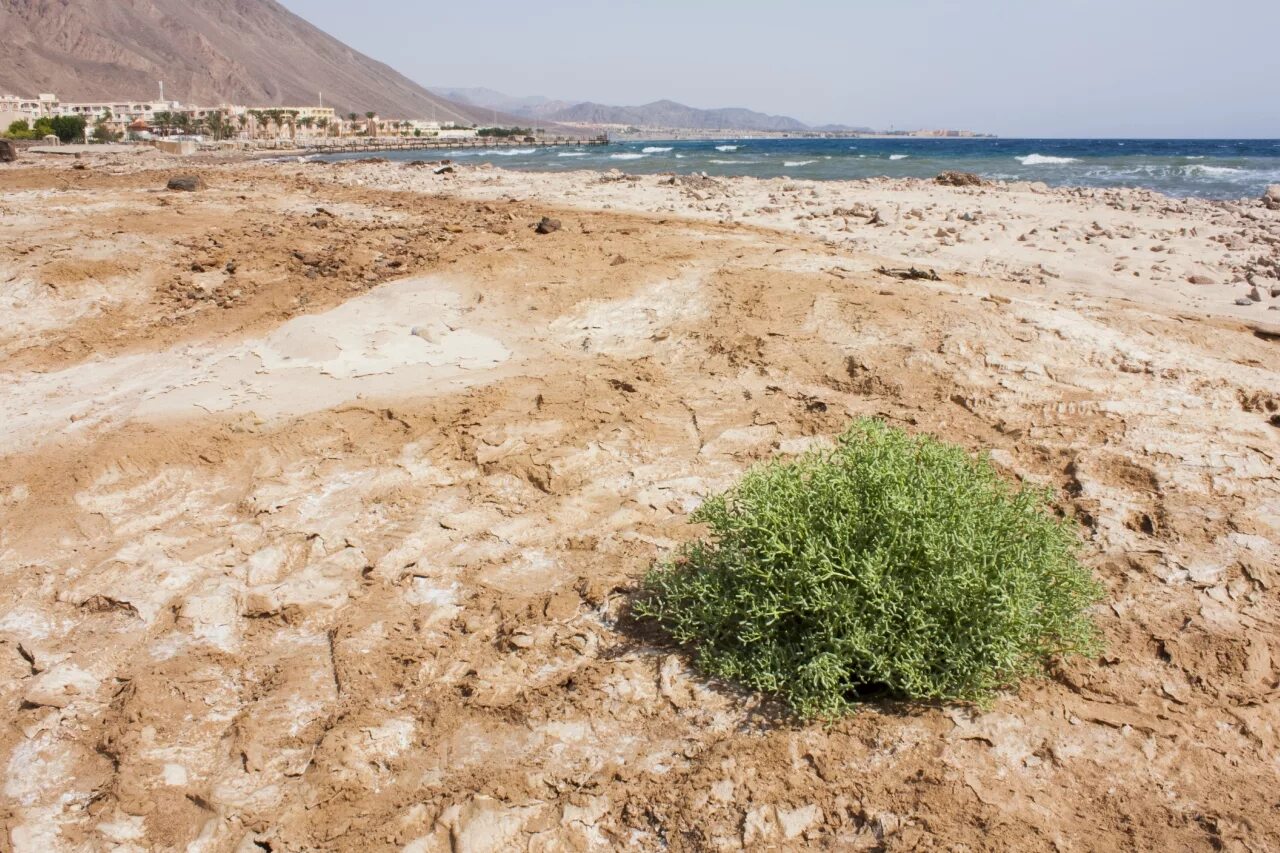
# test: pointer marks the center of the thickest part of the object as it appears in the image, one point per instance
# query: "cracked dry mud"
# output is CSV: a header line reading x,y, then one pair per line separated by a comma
x,y
320,505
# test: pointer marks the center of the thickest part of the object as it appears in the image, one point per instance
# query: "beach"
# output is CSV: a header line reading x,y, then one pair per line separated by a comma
x,y
325,488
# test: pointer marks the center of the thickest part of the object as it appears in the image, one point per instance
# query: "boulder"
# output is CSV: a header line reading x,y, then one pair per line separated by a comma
x,y
186,183
1271,198
958,179
1201,279
547,225
8,151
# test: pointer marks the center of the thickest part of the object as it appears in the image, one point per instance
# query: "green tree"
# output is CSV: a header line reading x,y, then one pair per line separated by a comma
x,y
217,125
102,132
20,129
42,128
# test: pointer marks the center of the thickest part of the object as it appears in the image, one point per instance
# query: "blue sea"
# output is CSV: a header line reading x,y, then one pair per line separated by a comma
x,y
1205,168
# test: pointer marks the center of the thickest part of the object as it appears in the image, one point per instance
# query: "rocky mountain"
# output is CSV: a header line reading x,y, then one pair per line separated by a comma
x,y
659,114
533,106
672,114
253,52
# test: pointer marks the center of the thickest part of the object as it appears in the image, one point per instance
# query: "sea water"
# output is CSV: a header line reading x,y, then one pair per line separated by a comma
x,y
1205,168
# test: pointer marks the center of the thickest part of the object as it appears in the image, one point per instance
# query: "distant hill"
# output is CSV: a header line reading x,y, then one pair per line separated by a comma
x,y
533,106
253,52
671,114
666,114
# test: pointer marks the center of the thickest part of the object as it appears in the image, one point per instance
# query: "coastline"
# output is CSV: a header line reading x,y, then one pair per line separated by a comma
x,y
325,487
1180,254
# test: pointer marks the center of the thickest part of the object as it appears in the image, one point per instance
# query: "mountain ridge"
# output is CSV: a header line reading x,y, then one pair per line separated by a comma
x,y
254,52
663,113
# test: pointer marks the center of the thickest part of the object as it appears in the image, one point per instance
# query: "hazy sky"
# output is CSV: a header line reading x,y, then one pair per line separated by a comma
x,y
1012,67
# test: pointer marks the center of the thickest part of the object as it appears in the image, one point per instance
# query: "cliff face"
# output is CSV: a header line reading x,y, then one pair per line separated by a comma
x,y
206,51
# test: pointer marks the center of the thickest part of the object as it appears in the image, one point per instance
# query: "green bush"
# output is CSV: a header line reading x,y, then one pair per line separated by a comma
x,y
20,129
889,565
69,128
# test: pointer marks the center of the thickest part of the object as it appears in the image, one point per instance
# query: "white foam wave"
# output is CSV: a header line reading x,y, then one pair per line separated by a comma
x,y
726,148
507,152
791,164
1215,170
1043,160
654,149
627,156
899,156
573,154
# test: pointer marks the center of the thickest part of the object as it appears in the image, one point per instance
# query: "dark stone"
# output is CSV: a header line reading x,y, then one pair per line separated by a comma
x,y
958,179
547,225
8,151
186,183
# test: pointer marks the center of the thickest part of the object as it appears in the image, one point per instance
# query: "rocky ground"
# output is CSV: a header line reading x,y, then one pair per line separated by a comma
x,y
323,489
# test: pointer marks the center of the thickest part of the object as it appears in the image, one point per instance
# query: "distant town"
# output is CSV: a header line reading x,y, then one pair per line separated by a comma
x,y
48,119
110,121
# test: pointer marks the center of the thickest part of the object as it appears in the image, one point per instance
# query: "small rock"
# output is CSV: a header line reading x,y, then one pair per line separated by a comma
x,y
1244,301
1271,198
1201,279
58,687
958,179
186,183
795,821
759,825
618,261
881,217
547,225
485,825
1255,295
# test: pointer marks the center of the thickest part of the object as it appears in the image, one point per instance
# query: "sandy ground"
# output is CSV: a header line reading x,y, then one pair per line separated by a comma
x,y
322,491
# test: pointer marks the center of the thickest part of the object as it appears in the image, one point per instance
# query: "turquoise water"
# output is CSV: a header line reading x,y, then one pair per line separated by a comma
x,y
1203,168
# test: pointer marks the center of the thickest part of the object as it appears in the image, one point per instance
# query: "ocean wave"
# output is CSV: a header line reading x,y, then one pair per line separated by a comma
x,y
791,164
726,148
899,156
573,154
654,149
507,152
1042,160
728,162
1216,170
627,156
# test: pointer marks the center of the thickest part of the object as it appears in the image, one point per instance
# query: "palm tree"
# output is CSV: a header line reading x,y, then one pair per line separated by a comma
x,y
323,124
162,121
217,126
